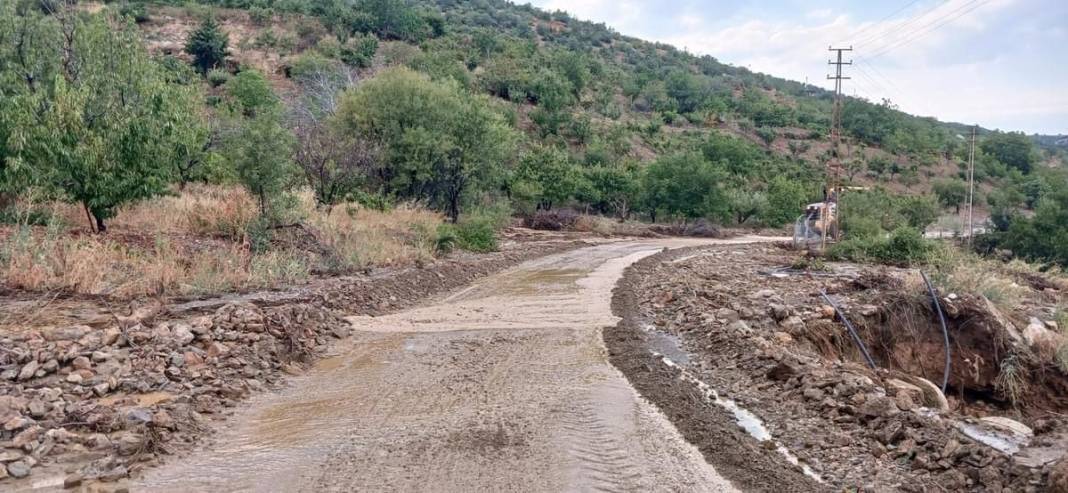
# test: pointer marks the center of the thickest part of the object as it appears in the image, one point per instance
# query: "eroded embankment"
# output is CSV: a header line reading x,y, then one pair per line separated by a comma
x,y
748,463
759,335
81,403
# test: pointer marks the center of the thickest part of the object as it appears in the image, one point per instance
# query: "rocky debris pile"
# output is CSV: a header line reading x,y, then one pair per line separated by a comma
x,y
100,403
770,344
118,396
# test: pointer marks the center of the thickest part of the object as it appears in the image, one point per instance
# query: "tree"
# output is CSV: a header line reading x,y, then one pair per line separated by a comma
x,y
786,200
208,46
439,144
735,154
551,176
746,204
86,112
685,186
260,151
615,188
951,193
1013,149
251,93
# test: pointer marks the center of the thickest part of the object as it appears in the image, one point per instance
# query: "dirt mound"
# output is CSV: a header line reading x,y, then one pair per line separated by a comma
x,y
761,337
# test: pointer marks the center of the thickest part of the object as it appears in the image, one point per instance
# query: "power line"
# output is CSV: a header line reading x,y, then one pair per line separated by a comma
x,y
929,29
898,26
876,23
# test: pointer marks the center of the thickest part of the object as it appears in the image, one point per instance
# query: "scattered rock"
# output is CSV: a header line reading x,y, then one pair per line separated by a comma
x,y
28,371
73,481
877,406
18,469
81,363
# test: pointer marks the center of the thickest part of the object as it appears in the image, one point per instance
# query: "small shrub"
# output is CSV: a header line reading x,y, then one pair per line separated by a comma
x,y
904,246
552,220
135,11
260,16
476,235
218,77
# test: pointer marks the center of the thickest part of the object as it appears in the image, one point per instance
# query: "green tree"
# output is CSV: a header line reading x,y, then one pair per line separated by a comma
x,y
786,201
1013,149
685,186
747,204
737,155
614,188
251,93
260,151
86,112
951,193
552,178
439,144
208,45
919,212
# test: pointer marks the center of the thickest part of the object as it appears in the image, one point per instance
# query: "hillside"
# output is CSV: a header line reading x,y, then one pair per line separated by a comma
x,y
582,117
637,98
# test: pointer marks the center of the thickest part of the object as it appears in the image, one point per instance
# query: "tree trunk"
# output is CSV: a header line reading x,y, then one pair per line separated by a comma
x,y
89,216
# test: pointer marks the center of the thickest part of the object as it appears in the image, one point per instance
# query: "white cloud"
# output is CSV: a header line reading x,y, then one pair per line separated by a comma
x,y
917,58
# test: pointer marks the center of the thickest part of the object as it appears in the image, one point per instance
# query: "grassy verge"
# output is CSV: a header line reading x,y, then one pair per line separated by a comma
x,y
206,239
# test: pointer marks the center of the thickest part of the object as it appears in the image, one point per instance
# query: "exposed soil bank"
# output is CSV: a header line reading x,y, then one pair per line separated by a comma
x,y
86,403
716,319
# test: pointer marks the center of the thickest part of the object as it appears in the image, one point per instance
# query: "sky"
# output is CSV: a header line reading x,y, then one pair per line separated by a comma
x,y
998,63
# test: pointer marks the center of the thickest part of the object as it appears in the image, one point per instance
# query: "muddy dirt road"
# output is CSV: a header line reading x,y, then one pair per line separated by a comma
x,y
503,386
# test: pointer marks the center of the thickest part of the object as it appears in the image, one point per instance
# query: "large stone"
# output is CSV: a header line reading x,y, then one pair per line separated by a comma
x,y
10,456
71,333
792,324
11,406
18,469
17,423
182,334
878,406
26,436
29,370
129,443
81,363
38,409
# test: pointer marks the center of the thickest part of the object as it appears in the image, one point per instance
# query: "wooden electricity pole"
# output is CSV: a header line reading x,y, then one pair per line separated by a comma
x,y
971,186
834,165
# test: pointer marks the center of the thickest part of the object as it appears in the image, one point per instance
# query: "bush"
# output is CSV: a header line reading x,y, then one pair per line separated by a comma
x,y
135,11
553,220
218,77
260,16
904,246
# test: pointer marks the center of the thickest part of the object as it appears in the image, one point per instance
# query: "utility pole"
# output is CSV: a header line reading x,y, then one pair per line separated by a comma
x,y
834,165
971,185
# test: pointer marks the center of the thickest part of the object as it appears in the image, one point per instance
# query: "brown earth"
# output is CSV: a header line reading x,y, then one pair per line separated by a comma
x,y
104,396
754,331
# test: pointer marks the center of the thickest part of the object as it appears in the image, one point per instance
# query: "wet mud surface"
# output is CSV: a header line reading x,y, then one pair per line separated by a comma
x,y
502,386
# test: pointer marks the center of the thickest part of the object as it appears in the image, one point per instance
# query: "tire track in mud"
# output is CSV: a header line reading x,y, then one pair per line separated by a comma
x,y
600,454
505,386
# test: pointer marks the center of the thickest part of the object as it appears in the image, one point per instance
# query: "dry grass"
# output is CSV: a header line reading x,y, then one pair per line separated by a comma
x,y
197,243
201,210
969,273
362,237
606,226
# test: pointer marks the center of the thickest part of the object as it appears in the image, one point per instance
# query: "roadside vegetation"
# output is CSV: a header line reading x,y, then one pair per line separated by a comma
x,y
305,138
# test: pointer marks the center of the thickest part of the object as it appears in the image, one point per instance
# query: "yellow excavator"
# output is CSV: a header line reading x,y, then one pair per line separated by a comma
x,y
818,225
